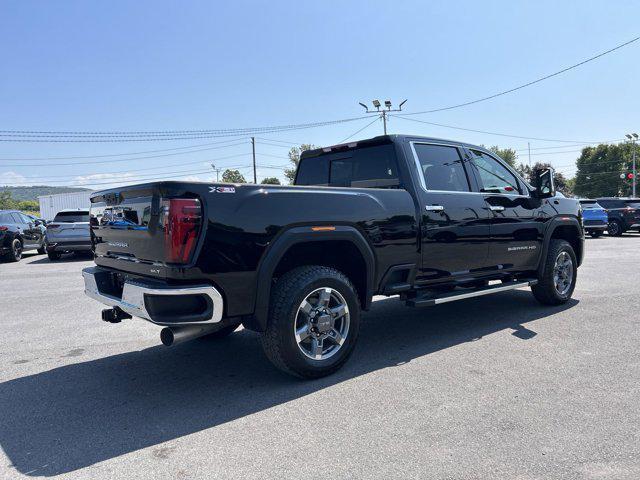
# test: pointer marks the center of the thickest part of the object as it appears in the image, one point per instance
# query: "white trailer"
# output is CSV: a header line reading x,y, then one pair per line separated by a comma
x,y
52,204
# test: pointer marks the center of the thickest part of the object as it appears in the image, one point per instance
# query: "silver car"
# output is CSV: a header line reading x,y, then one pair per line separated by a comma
x,y
68,232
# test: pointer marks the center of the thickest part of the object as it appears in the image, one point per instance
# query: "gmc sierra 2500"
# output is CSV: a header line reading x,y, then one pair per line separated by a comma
x,y
430,220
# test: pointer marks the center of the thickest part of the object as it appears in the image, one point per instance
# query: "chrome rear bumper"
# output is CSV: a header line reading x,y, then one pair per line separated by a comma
x,y
133,302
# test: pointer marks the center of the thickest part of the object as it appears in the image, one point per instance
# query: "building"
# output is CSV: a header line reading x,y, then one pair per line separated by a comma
x,y
52,204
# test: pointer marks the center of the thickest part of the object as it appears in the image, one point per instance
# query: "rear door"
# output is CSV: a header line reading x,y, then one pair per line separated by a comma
x,y
516,233
31,231
455,222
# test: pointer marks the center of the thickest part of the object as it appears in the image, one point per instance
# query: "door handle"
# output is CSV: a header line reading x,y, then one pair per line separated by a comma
x,y
434,208
496,208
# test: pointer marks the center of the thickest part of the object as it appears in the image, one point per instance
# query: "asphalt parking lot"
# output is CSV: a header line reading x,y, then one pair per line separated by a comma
x,y
494,387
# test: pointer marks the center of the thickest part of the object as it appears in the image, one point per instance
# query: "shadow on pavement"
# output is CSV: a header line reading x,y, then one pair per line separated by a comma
x,y
65,258
74,416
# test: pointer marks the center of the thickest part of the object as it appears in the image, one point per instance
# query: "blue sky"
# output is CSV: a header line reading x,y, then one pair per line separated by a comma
x,y
211,65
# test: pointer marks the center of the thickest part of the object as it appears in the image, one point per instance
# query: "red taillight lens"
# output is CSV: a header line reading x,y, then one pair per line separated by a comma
x,y
3,228
181,223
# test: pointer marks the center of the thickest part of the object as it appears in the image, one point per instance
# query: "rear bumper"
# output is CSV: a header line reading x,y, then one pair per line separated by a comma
x,y
72,246
149,300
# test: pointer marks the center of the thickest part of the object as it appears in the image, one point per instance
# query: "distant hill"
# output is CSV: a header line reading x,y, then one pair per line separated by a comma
x,y
32,193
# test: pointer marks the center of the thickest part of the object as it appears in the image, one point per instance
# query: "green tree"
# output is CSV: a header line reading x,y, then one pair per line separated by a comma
x,y
6,200
233,176
271,181
599,170
509,155
294,157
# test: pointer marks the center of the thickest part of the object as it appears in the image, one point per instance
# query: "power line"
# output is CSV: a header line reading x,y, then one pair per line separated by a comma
x,y
119,159
490,133
358,131
528,84
79,136
120,154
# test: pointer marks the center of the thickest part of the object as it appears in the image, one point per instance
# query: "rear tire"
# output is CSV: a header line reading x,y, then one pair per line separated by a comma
x,y
53,255
559,274
313,324
15,254
615,228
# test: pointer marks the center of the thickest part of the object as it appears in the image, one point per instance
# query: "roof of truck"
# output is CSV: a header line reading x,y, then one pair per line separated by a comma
x,y
382,139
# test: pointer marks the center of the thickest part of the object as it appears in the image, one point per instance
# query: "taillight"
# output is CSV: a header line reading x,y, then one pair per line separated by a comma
x,y
3,228
181,223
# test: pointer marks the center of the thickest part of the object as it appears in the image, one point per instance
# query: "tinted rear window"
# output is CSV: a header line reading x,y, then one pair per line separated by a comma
x,y
71,217
5,218
633,203
611,203
587,204
371,167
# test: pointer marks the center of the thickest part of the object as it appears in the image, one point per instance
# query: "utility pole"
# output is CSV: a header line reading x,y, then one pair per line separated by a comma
x,y
529,147
217,170
253,148
633,137
384,112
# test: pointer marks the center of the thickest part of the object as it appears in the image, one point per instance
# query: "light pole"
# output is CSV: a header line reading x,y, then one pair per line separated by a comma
x,y
632,138
384,112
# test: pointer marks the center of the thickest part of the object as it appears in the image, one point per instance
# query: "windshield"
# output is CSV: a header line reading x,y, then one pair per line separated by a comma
x,y
72,217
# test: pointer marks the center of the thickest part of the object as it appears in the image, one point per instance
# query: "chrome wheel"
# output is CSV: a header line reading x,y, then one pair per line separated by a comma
x,y
563,273
322,323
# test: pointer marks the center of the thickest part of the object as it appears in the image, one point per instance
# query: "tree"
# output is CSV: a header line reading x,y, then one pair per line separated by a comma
x,y
509,155
6,200
271,181
294,157
599,170
233,176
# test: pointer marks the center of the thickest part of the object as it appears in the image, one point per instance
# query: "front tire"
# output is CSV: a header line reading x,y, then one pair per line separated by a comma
x,y
559,275
53,255
313,324
615,228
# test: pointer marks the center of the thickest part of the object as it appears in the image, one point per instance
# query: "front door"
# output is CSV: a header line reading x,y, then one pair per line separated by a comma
x,y
455,221
516,232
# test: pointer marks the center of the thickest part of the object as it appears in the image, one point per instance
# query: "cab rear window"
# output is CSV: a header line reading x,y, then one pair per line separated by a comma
x,y
370,167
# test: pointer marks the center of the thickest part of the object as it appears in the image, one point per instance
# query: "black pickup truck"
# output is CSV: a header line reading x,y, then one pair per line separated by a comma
x,y
430,220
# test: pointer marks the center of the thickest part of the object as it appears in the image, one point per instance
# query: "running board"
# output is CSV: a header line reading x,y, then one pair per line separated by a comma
x,y
431,300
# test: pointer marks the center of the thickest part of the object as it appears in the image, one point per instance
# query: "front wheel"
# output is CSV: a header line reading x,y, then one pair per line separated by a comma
x,y
313,324
53,255
558,279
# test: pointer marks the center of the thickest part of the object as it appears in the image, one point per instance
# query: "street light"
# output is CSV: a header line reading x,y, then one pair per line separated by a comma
x,y
632,138
376,104
387,103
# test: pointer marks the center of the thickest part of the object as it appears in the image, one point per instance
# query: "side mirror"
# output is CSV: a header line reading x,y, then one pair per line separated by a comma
x,y
545,186
38,223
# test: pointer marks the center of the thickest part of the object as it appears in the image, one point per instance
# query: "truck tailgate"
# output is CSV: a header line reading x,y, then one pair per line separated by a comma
x,y
147,223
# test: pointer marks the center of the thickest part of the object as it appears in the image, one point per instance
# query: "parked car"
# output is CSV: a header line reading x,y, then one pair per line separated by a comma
x,y
68,232
595,218
19,233
624,214
431,220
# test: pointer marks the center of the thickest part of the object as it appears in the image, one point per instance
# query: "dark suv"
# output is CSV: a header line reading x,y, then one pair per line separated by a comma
x,y
18,233
624,214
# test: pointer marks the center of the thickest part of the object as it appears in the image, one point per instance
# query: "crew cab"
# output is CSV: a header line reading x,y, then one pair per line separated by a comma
x,y
427,220
624,214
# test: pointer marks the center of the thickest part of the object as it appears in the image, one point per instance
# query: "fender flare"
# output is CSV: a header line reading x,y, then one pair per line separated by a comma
x,y
553,225
296,235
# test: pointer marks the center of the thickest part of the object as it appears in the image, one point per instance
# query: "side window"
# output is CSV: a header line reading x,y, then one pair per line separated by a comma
x,y
25,219
16,218
494,177
5,218
313,171
442,168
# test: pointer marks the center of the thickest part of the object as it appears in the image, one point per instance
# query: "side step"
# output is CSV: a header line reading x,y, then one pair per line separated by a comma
x,y
431,300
